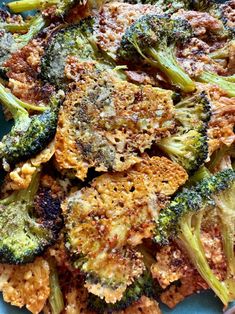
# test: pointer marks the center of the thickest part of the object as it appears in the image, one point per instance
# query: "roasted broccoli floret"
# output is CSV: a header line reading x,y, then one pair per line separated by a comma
x,y
182,220
193,112
153,38
71,41
62,6
144,285
188,148
30,221
213,78
30,133
10,43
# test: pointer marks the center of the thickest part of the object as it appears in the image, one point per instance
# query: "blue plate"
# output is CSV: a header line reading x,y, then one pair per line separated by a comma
x,y
203,303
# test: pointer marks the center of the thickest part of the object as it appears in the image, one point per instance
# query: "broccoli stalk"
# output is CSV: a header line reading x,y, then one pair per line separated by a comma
x,y
30,134
154,38
189,238
226,211
29,222
56,297
15,28
26,5
182,220
223,82
35,25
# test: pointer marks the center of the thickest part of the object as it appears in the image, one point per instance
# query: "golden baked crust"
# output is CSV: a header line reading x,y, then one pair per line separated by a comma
x,y
26,285
105,122
106,221
113,20
143,306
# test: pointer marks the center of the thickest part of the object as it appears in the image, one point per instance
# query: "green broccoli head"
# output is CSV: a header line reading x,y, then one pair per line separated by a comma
x,y
30,221
72,41
62,6
153,38
192,112
143,285
182,220
188,148
30,134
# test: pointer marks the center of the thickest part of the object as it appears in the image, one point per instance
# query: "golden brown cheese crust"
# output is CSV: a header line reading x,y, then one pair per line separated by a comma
x,y
201,22
189,284
23,69
105,122
221,125
20,177
113,20
171,265
26,285
76,301
143,306
106,221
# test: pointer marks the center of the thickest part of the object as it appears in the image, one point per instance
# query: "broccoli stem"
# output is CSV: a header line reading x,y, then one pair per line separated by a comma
x,y
15,28
199,175
167,64
172,147
189,237
56,297
27,194
230,78
16,106
223,83
226,209
36,25
27,5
